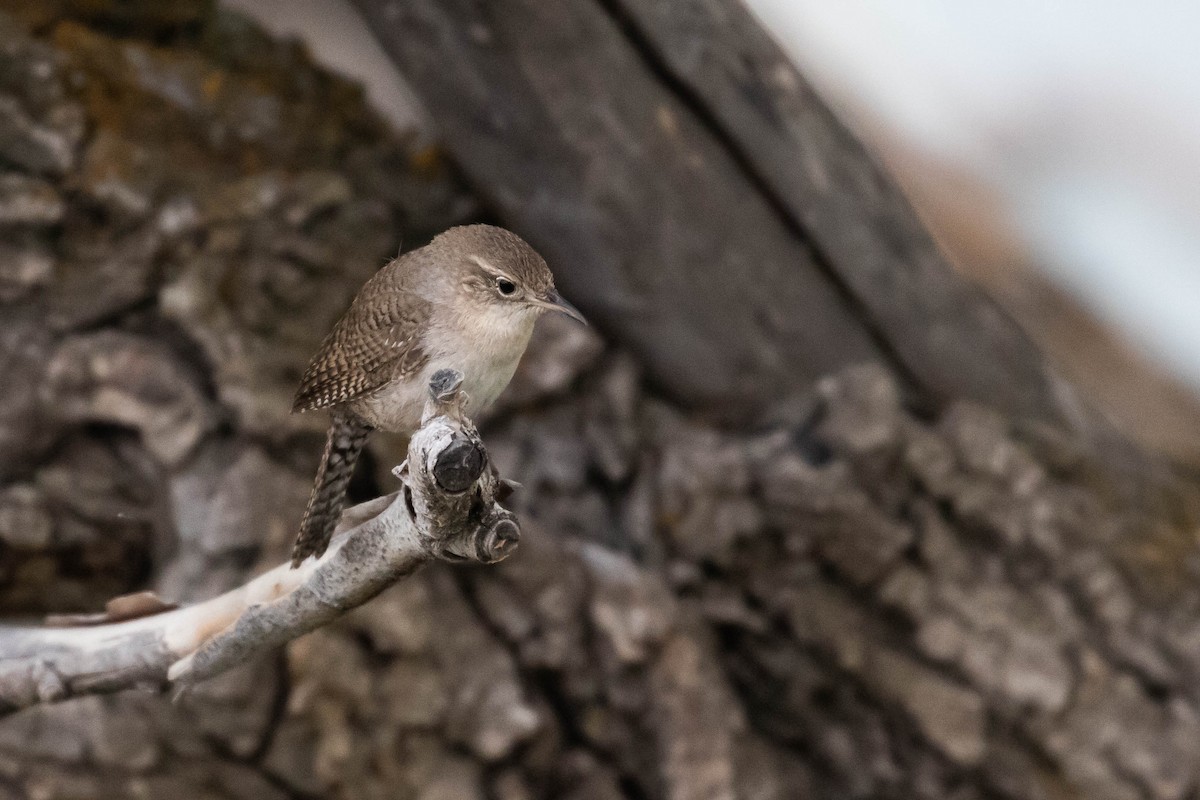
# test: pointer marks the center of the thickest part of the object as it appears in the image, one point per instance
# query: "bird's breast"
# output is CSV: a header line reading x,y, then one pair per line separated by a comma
x,y
487,366
486,362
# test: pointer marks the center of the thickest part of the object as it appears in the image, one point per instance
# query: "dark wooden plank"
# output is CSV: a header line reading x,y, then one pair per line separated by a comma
x,y
698,199
653,228
945,331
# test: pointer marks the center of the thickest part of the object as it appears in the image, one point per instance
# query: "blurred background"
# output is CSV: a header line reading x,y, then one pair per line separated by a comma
x,y
932,575
1050,149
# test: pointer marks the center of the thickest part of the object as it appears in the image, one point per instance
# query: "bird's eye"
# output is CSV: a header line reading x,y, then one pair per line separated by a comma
x,y
505,286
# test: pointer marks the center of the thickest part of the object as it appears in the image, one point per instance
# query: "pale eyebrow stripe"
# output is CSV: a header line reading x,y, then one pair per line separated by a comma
x,y
485,265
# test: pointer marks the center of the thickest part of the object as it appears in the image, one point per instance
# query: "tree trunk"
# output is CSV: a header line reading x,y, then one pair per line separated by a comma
x,y
814,520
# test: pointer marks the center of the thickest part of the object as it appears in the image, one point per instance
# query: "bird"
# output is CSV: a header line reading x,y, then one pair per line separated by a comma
x,y
467,301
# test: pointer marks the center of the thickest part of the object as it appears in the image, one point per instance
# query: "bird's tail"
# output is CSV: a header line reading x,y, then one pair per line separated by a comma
x,y
346,438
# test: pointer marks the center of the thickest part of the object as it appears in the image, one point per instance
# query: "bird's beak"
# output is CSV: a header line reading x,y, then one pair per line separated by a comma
x,y
553,301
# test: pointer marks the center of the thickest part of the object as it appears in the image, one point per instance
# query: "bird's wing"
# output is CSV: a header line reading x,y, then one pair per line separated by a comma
x,y
377,341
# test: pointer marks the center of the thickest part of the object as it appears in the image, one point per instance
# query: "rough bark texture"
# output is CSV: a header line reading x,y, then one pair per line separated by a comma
x,y
891,590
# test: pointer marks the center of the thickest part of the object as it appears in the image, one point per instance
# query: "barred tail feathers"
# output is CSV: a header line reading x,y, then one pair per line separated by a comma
x,y
346,439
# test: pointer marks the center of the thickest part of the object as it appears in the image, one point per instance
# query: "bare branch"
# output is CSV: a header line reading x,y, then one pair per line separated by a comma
x,y
447,509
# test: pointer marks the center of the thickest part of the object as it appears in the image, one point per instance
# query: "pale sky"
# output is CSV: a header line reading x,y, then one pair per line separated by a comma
x,y
1083,117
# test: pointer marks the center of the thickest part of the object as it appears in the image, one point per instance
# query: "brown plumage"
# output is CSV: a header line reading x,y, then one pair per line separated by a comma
x,y
467,301
345,442
377,340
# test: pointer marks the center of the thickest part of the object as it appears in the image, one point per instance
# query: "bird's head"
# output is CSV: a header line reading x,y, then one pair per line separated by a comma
x,y
497,272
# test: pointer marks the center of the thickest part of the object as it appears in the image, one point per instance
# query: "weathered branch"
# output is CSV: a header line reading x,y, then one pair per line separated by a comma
x,y
448,509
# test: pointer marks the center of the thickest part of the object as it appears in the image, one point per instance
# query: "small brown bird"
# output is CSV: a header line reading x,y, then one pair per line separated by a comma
x,y
467,300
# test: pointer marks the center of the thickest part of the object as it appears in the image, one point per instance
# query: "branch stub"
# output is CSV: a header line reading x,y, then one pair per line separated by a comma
x,y
459,465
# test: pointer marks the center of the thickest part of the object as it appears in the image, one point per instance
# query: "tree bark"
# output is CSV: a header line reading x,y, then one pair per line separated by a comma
x,y
752,565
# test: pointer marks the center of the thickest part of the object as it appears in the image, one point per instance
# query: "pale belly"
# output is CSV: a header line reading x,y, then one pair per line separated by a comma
x,y
398,406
